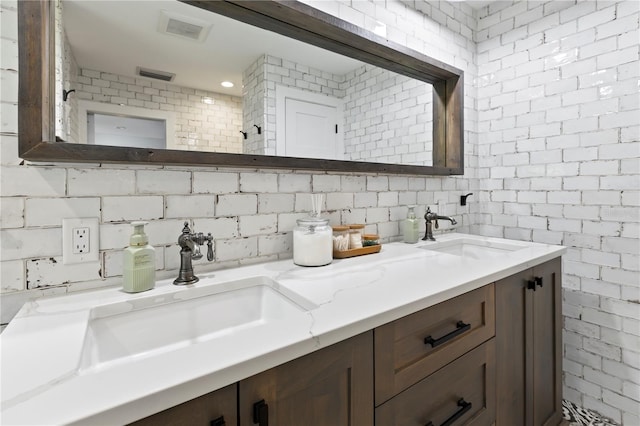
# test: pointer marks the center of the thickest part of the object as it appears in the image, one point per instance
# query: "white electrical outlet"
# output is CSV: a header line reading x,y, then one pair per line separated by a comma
x,y
80,242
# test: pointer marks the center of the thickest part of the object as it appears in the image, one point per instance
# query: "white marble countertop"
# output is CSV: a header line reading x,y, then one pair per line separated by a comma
x,y
44,381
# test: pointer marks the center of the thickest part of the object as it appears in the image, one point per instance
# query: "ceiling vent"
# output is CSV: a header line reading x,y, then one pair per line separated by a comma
x,y
158,75
183,26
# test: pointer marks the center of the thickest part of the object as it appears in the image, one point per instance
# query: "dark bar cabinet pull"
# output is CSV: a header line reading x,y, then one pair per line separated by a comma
x,y
538,281
464,407
531,284
261,413
461,328
218,422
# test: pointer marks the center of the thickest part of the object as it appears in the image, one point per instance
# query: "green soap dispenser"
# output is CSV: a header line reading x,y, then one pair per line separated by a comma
x,y
139,262
411,232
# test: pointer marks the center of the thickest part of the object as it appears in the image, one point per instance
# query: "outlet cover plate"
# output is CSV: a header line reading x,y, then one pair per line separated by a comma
x,y
92,253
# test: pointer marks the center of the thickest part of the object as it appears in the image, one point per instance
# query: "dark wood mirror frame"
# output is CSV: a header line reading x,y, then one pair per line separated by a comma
x,y
36,97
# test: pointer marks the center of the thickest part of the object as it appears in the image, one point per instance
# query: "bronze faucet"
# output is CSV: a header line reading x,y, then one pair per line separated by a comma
x,y
190,249
432,220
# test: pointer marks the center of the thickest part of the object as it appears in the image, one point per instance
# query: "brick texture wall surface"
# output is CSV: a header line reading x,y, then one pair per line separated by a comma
x,y
559,160
551,154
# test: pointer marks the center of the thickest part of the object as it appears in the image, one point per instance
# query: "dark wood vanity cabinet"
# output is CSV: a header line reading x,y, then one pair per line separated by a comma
x,y
462,392
489,356
529,346
217,408
437,366
330,387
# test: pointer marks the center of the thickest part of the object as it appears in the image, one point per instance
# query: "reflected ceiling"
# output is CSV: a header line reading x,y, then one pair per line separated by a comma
x,y
228,49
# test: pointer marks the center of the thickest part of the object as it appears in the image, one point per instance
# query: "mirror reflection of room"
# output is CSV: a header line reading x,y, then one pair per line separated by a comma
x,y
138,63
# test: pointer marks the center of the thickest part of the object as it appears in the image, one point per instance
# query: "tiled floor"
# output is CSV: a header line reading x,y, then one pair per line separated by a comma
x,y
582,417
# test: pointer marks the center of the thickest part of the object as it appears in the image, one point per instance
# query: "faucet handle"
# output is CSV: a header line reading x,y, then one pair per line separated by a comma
x,y
186,229
196,255
209,247
427,213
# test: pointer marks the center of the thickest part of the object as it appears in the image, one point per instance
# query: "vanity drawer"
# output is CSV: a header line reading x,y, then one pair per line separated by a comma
x,y
411,348
463,392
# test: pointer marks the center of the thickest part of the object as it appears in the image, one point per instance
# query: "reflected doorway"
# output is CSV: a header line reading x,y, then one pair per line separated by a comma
x,y
308,125
117,130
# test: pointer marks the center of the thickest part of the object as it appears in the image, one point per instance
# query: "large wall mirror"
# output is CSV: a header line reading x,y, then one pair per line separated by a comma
x,y
248,84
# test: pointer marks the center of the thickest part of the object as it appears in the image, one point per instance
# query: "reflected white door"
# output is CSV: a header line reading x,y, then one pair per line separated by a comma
x,y
310,127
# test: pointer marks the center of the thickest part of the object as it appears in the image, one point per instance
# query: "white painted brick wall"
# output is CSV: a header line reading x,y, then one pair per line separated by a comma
x,y
387,117
577,95
198,126
520,88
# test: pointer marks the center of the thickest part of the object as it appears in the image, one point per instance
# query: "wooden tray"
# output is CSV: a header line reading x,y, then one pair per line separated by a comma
x,y
356,252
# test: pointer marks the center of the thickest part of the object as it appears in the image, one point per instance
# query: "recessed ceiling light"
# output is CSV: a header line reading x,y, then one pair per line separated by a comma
x,y
121,127
207,100
226,84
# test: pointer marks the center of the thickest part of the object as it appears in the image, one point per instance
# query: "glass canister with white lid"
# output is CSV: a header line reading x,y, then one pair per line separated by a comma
x,y
312,242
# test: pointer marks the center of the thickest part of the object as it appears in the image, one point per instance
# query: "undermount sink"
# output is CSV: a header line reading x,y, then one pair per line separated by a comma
x,y
158,324
475,249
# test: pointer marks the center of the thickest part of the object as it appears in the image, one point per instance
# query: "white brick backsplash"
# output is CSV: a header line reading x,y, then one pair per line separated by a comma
x,y
340,200
220,228
631,326
621,245
236,249
388,199
12,276
585,387
294,182
11,212
353,183
581,183
215,182
33,181
603,380
620,276
603,349
163,182
287,221
118,209
258,182
184,206
92,182
274,244
601,288
594,316
236,204
326,183
377,215
275,203
51,271
615,399
601,228
30,243
582,357
365,199
51,211
258,225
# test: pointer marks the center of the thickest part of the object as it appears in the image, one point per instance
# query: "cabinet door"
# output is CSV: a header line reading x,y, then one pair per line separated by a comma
x,y
512,304
547,344
219,406
330,387
528,347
